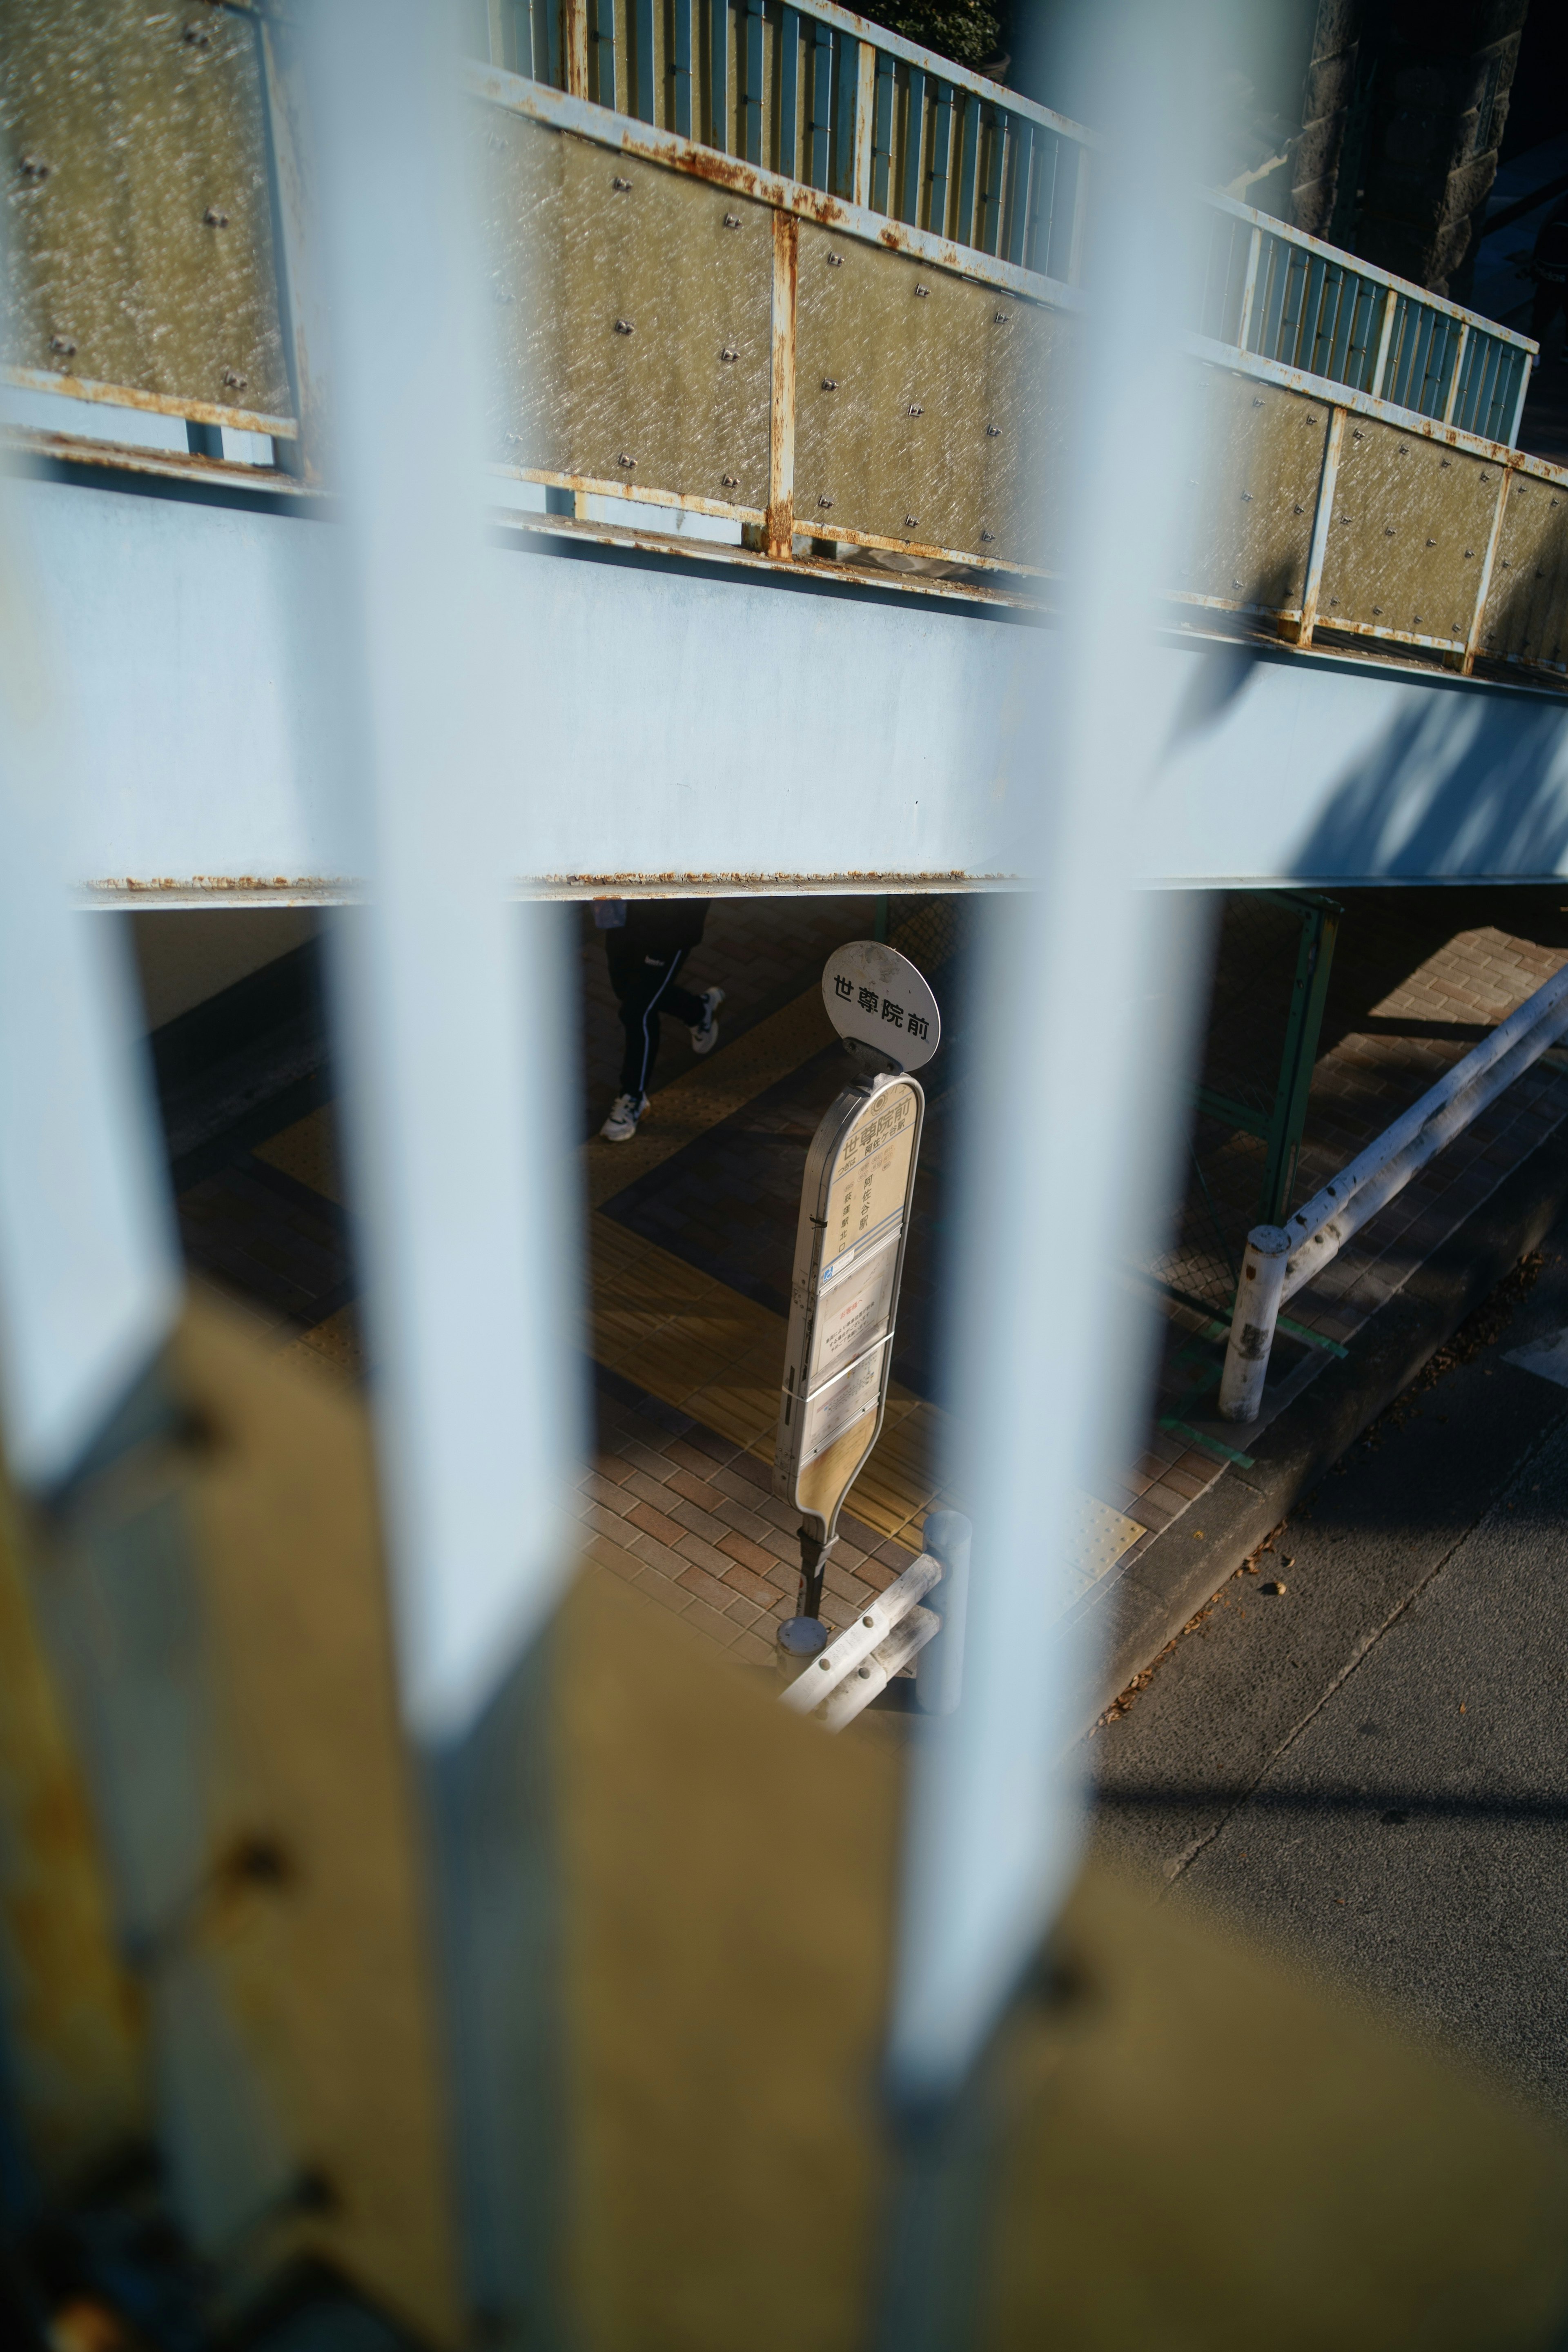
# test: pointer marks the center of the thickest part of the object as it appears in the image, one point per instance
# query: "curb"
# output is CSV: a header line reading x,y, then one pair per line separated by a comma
x,y
1136,1614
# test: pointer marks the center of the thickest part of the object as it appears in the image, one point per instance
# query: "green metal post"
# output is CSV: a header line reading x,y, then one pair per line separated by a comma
x,y
1319,928
879,920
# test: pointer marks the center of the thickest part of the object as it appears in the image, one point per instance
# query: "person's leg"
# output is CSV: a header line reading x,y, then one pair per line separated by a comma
x,y
651,983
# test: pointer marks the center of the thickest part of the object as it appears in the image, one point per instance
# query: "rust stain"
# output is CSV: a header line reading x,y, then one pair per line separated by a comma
x,y
155,403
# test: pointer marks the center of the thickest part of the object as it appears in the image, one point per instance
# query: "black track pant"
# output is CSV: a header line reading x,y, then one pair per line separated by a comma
x,y
645,985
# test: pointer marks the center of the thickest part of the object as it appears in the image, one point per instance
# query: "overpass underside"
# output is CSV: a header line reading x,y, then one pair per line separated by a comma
x,y
778,473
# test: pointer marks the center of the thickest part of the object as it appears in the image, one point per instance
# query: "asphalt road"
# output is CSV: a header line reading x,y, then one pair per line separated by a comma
x,y
1369,1768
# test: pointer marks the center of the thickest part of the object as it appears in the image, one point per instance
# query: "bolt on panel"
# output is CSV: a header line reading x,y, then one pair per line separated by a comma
x,y
926,404
639,350
1247,528
1407,538
140,226
1527,603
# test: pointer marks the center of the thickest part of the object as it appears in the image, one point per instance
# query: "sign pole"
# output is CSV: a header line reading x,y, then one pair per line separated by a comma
x,y
849,1257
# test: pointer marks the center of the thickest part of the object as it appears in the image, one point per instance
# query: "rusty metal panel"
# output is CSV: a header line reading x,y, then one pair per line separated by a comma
x,y
1527,603
640,352
1409,536
140,221
924,404
1248,528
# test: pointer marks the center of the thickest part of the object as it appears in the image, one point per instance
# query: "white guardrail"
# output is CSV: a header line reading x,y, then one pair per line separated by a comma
x,y
843,1679
1281,1259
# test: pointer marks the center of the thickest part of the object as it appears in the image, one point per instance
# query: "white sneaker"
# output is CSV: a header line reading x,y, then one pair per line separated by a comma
x,y
705,1032
622,1123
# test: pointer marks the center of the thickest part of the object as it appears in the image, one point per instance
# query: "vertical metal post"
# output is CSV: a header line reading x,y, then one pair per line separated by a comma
x,y
789,93
1309,994
1024,146
1483,586
1526,367
941,159
882,135
719,74
780,526
294,242
1083,176
1323,519
914,147
1384,337
755,35
969,170
822,52
574,33
642,25
1460,350
685,113
989,238
1258,1297
605,51
862,135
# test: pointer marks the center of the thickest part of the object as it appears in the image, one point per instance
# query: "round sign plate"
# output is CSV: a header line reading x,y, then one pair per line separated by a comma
x,y
876,997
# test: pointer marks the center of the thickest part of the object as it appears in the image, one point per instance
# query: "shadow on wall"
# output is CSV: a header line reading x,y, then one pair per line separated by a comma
x,y
1470,784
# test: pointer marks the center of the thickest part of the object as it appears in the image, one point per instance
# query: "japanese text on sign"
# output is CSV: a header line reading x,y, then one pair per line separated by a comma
x,y
869,1002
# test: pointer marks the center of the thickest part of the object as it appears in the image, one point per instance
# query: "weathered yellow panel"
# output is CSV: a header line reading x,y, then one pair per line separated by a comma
x,y
141,225
1527,604
73,2038
1409,536
642,351
925,403
1247,523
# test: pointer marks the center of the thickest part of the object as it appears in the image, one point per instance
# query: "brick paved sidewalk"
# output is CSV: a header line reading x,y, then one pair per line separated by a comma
x,y
681,1508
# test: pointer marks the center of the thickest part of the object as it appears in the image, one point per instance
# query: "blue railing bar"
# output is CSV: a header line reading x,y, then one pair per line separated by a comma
x,y
966,185
751,144
719,76
941,160
846,91
685,115
645,109
914,145
789,91
821,103
1025,151
605,50
882,137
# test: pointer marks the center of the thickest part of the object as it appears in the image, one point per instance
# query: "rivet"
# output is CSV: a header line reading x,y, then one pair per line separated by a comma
x,y
196,37
63,345
232,381
824,1665
1415,619
1356,434
1299,510
731,482
1247,498
867,1620
212,219
986,537
623,326
1443,463
1236,584
1431,542
863,1673
916,410
622,187
1000,317
824,502
992,432
1257,403
731,220
34,167
623,460
1333,600
1377,610
836,261
1468,553
830,384
729,355
910,521
1388,531
922,293
1486,477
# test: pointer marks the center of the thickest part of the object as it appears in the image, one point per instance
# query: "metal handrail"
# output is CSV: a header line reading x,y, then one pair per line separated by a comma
x,y
1280,1260
860,113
